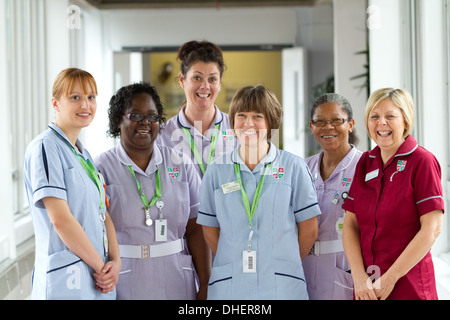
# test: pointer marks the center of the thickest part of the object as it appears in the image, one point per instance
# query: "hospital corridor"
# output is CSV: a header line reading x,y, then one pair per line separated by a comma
x,y
350,133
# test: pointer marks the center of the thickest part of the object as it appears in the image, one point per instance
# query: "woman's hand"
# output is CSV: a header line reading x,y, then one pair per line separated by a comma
x,y
384,285
363,287
107,280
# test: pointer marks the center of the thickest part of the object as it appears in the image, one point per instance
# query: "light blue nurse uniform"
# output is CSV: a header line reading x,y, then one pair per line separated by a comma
x,y
51,169
326,268
173,136
287,197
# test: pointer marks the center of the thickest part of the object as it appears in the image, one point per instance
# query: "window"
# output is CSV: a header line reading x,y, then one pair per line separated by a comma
x,y
27,110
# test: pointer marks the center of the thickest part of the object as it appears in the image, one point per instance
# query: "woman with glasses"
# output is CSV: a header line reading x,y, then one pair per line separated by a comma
x,y
395,206
332,125
200,129
153,201
77,256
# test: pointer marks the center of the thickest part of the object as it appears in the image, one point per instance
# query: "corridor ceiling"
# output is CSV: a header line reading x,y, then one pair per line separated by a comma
x,y
173,4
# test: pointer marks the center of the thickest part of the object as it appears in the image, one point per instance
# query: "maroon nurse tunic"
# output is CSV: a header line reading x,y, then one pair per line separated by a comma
x,y
388,203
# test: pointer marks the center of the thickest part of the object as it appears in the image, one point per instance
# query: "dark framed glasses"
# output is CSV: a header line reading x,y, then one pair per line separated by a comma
x,y
334,122
137,117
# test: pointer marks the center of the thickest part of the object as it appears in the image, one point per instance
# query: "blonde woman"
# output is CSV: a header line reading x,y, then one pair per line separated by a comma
x,y
77,255
395,207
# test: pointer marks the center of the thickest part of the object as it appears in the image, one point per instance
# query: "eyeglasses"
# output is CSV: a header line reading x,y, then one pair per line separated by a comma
x,y
334,122
137,117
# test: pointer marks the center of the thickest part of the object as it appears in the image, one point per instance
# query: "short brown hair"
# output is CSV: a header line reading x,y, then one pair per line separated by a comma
x,y
257,99
66,79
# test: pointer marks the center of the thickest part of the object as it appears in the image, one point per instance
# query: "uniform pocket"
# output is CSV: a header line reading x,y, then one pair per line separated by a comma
x,y
343,285
290,281
68,277
189,276
220,281
125,279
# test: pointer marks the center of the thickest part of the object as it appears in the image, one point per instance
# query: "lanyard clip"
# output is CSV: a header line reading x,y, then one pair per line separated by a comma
x,y
250,235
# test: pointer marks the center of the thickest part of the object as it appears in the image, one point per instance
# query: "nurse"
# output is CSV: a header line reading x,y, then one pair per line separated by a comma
x,y
153,198
332,125
395,206
200,129
258,208
77,254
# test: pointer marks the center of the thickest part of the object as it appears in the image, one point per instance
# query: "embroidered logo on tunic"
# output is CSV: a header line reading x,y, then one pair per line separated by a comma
x,y
346,182
401,164
278,173
227,135
173,172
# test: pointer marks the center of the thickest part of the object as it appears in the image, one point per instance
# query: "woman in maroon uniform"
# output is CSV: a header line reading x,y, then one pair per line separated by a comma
x,y
395,206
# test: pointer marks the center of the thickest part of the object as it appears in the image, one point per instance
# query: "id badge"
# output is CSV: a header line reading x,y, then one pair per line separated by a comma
x,y
249,261
231,187
161,230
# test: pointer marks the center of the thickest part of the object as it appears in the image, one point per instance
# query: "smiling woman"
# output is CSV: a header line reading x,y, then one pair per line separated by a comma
x,y
402,181
74,102
64,192
258,208
332,126
389,119
153,194
200,129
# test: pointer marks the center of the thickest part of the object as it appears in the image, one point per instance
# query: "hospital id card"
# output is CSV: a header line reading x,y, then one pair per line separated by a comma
x,y
249,261
161,230
230,187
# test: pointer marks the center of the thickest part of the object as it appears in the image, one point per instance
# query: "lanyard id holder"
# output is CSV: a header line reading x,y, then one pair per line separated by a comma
x,y
160,224
145,202
249,257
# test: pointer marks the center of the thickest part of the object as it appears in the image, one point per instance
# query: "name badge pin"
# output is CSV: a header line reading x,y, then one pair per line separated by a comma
x,y
371,175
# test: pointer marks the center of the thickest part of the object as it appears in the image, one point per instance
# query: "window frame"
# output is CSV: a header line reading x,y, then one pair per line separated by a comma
x,y
28,111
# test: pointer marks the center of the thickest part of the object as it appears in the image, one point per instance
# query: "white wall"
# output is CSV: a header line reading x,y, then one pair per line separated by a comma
x,y
57,42
350,36
433,93
162,27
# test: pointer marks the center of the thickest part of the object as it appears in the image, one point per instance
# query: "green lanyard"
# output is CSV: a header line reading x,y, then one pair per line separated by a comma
x,y
88,167
250,212
141,192
212,149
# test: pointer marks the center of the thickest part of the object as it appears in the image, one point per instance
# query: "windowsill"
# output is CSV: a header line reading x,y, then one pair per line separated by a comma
x,y
22,250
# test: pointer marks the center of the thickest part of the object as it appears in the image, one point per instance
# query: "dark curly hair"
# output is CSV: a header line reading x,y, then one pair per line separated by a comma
x,y
204,51
124,98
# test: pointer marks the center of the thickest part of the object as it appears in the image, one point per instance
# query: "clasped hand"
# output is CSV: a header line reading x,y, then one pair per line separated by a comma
x,y
107,279
380,289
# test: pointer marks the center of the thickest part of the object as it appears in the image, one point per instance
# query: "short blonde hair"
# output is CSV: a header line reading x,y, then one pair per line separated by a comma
x,y
401,98
257,99
67,78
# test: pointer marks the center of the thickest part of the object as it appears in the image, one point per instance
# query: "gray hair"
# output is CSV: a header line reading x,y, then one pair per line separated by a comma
x,y
343,103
